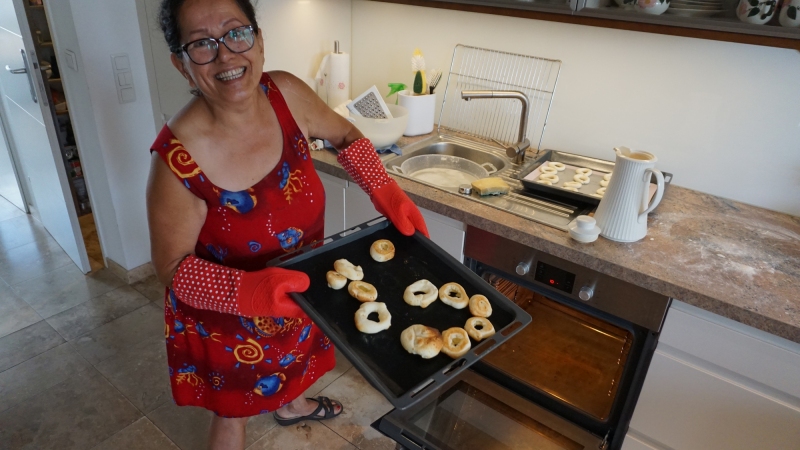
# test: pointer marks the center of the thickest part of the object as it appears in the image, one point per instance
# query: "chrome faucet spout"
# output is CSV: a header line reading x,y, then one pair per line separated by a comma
x,y
516,151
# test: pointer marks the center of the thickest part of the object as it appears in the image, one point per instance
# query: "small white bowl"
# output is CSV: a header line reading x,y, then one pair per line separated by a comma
x,y
655,7
383,132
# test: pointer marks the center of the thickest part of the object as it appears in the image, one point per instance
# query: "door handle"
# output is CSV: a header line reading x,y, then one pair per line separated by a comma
x,y
16,71
25,70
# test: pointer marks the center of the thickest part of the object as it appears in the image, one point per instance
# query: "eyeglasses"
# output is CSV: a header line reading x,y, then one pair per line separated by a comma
x,y
205,51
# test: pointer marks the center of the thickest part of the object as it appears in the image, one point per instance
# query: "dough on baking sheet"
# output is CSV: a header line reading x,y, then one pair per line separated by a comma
x,y
607,176
367,326
551,177
604,183
573,184
547,182
601,191
557,165
547,169
581,178
584,171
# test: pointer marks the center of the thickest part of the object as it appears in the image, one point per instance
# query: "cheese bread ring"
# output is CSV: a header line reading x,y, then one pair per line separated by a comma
x,y
547,182
335,280
601,191
479,306
584,171
421,340
382,250
362,291
607,176
551,177
347,269
557,165
479,328
427,293
452,294
581,178
573,184
365,325
547,169
603,183
456,342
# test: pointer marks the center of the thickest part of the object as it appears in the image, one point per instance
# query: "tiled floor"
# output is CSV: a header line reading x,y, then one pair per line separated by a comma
x,y
83,364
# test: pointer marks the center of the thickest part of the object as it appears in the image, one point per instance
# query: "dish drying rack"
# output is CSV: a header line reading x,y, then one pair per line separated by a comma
x,y
474,68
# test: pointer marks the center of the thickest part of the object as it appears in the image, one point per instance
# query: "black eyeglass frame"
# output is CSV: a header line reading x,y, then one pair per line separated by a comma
x,y
184,47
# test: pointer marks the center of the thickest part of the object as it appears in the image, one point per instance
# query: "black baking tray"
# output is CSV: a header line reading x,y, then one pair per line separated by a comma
x,y
404,379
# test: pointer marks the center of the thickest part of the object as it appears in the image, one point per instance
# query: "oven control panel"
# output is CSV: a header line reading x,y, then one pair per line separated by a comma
x,y
554,277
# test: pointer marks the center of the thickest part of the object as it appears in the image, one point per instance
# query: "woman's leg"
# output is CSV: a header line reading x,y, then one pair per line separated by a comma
x,y
301,406
227,434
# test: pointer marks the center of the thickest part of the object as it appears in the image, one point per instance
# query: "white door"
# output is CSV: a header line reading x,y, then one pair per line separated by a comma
x,y
32,132
9,185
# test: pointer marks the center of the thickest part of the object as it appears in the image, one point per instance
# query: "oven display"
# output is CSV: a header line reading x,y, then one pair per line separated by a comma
x,y
555,277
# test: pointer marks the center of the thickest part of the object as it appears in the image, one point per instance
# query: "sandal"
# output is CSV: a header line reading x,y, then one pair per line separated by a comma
x,y
325,404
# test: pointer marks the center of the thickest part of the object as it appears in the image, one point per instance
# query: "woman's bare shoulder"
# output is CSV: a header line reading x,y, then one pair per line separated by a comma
x,y
185,118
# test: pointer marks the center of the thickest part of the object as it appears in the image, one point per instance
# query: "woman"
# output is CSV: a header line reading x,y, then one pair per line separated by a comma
x,y
232,186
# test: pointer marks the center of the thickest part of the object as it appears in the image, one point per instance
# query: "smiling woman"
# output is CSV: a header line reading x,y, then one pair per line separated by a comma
x,y
232,186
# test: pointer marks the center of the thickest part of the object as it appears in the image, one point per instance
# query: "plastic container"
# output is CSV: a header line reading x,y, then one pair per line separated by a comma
x,y
383,132
421,109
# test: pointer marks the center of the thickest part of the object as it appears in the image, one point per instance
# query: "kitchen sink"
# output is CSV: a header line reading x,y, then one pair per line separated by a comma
x,y
554,212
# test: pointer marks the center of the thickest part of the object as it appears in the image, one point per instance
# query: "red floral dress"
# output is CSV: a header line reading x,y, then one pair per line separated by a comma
x,y
235,366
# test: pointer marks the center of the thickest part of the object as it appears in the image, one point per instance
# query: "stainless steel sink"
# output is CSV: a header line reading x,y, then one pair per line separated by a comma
x,y
518,201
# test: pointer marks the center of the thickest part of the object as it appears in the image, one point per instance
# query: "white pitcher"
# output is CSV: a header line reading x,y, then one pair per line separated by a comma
x,y
622,213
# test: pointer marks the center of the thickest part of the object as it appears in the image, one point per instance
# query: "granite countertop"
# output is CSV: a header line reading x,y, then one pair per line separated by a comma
x,y
729,258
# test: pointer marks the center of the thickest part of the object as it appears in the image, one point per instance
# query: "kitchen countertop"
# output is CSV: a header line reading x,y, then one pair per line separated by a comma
x,y
729,258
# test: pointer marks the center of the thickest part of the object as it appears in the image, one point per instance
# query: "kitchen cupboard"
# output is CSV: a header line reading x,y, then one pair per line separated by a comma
x,y
346,206
717,384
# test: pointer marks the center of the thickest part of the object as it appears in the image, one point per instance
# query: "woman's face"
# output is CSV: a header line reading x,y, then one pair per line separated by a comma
x,y
231,77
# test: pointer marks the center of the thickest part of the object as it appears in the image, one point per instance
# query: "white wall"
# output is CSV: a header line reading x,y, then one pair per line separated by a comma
x,y
723,117
125,131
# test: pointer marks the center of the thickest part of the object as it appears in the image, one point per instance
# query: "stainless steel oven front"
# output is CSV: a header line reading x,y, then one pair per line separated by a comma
x,y
570,380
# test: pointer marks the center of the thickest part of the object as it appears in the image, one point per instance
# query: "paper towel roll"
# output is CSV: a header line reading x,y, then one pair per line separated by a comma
x,y
333,79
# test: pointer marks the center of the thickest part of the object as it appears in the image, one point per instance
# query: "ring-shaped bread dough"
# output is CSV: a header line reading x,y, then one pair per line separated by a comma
x,y
604,183
558,166
573,184
452,294
551,177
601,191
584,171
428,293
570,189
479,306
365,325
479,328
382,250
581,178
456,342
421,340
362,291
347,269
335,280
607,176
547,182
547,169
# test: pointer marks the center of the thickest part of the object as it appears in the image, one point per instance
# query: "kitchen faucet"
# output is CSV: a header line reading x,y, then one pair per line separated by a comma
x,y
517,151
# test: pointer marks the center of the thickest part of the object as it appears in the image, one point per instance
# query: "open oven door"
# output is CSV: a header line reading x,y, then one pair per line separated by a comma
x,y
473,412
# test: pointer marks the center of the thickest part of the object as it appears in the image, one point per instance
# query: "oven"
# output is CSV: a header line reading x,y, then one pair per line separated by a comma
x,y
569,380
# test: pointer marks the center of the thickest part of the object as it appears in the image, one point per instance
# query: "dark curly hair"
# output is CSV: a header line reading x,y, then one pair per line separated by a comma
x,y
168,19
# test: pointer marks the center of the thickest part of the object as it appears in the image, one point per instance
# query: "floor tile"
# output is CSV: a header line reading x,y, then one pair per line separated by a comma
x,y
151,288
26,343
98,311
40,373
310,435
21,230
141,435
342,366
8,210
136,328
362,406
78,413
64,288
187,426
141,374
15,314
30,261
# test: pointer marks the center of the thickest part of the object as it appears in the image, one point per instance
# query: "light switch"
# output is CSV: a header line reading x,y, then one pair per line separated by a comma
x,y
127,95
72,60
121,62
123,78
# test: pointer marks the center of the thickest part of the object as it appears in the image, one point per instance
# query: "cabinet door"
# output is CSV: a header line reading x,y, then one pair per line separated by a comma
x,y
334,203
446,233
357,207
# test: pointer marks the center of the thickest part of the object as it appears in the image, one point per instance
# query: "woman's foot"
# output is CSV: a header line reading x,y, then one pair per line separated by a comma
x,y
300,409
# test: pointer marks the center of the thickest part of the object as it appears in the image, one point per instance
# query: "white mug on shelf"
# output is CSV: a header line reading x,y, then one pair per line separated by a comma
x,y
421,109
757,12
790,14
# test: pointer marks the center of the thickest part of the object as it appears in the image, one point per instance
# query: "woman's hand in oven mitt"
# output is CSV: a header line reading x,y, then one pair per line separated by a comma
x,y
363,164
206,285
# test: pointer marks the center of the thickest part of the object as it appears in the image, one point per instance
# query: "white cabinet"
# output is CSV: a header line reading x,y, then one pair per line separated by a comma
x,y
717,384
446,233
357,206
334,203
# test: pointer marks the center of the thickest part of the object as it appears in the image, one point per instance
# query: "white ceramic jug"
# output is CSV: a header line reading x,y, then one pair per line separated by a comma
x,y
622,213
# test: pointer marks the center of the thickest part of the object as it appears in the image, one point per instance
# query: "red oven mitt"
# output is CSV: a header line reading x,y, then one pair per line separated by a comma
x,y
362,164
204,285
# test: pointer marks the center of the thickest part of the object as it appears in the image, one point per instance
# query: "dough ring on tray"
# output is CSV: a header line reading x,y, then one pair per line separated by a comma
x,y
347,269
547,182
335,280
584,171
604,183
479,306
557,165
456,342
421,293
607,176
363,322
573,184
547,169
421,340
581,178
362,291
601,191
479,328
551,177
452,294
382,250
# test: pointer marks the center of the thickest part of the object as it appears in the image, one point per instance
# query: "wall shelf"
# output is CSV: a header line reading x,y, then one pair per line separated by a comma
x,y
713,28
